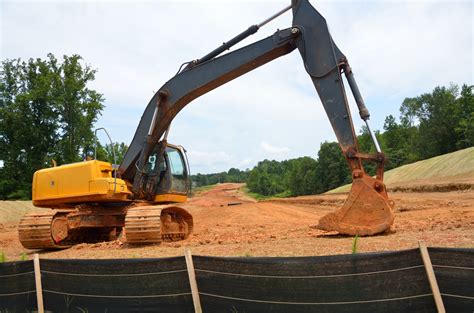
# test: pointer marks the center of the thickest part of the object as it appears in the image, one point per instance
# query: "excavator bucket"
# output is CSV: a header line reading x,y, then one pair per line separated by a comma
x,y
367,210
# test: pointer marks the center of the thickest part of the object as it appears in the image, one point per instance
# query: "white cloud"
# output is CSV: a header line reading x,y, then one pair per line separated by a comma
x,y
214,160
245,163
273,150
396,48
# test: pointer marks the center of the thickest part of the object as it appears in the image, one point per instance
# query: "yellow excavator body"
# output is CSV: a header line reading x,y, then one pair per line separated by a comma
x,y
89,204
89,181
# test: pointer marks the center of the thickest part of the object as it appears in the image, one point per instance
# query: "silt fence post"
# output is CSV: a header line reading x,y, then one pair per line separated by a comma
x,y
192,280
39,288
431,277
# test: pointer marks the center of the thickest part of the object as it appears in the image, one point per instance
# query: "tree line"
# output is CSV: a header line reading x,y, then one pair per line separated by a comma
x,y
47,112
233,175
301,176
431,124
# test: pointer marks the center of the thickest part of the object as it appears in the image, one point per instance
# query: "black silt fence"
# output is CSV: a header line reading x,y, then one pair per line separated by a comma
x,y
372,282
385,282
17,287
454,270
127,285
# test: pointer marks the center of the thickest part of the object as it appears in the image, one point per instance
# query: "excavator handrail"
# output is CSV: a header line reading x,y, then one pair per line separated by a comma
x,y
113,152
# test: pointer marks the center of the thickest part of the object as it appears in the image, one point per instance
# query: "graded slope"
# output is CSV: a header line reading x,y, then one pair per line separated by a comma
x,y
451,171
12,211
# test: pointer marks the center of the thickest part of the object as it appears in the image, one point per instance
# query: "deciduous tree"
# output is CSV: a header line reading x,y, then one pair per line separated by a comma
x,y
47,112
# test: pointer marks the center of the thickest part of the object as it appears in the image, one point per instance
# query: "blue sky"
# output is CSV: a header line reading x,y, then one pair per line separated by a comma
x,y
397,49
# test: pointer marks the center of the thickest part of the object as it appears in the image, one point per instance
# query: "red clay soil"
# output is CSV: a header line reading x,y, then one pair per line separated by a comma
x,y
285,227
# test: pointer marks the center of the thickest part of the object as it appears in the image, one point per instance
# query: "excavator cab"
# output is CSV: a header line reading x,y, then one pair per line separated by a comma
x,y
173,170
167,167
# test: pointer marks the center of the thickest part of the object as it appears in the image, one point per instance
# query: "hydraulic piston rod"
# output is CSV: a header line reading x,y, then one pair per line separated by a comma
x,y
226,45
363,111
374,139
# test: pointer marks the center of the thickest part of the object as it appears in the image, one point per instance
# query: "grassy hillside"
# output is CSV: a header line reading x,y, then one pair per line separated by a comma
x,y
452,168
12,211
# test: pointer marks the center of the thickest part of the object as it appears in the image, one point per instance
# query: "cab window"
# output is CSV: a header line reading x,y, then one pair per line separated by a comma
x,y
175,163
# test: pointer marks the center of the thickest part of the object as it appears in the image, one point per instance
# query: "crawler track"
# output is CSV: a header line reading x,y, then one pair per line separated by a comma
x,y
62,228
50,230
143,225
154,224
36,230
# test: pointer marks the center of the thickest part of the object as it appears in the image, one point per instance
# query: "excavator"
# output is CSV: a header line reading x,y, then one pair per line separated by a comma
x,y
95,200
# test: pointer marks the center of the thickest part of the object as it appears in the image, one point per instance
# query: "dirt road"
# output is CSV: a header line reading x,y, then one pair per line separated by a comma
x,y
284,227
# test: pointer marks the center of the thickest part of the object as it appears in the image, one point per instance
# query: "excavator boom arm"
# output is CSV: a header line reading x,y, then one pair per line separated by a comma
x,y
324,63
193,82
321,57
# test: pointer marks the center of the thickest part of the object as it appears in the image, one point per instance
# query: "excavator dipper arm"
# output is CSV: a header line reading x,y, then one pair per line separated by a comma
x,y
367,210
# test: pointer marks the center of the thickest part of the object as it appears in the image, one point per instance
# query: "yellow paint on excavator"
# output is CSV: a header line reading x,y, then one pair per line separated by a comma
x,y
171,198
88,181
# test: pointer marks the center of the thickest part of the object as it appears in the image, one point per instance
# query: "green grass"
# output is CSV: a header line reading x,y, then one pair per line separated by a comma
x,y
201,189
354,244
446,165
450,164
258,196
3,257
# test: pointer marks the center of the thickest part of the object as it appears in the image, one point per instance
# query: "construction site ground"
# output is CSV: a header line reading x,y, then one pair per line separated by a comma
x,y
229,223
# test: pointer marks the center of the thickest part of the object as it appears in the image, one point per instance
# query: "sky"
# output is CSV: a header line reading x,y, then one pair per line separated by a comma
x,y
397,49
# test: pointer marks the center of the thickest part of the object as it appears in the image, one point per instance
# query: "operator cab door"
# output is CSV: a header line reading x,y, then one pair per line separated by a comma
x,y
173,171
178,169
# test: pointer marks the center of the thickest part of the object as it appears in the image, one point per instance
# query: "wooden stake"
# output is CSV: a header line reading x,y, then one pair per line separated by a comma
x,y
39,288
192,280
431,277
